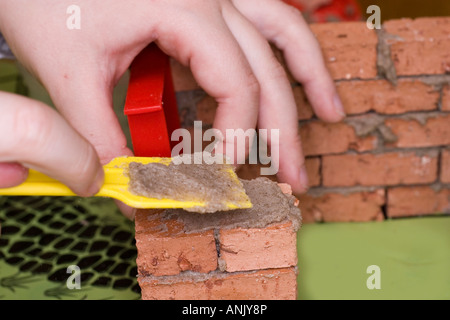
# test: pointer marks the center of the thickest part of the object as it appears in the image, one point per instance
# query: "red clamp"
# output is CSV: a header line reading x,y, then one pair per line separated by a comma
x,y
151,105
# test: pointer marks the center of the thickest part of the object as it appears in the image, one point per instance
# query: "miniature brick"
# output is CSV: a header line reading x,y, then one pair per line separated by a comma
x,y
420,131
271,284
348,206
445,166
389,168
258,248
417,200
419,46
385,98
218,261
329,138
164,250
349,49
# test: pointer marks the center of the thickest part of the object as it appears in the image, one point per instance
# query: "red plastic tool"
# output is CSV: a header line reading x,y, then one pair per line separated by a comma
x,y
151,105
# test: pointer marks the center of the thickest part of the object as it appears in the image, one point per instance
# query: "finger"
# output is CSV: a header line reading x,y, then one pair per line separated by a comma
x,y
219,66
82,92
38,138
285,27
76,68
12,174
278,112
85,101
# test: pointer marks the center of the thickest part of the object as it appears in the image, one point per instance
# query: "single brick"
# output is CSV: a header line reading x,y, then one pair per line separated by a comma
x,y
420,131
164,249
445,166
349,49
270,284
382,97
446,98
420,46
327,138
379,169
420,200
342,207
258,248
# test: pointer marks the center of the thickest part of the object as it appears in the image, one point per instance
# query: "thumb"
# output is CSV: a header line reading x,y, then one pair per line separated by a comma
x,y
37,137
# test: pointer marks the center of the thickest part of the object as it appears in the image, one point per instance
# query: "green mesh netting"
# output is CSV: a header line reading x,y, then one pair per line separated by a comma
x,y
42,236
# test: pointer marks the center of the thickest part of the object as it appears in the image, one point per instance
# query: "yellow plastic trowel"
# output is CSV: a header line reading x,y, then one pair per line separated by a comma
x,y
116,186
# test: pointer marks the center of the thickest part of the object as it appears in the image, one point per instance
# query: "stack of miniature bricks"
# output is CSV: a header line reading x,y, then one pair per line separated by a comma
x,y
237,263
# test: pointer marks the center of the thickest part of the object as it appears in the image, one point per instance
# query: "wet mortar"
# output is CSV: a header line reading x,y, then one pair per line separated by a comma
x,y
188,181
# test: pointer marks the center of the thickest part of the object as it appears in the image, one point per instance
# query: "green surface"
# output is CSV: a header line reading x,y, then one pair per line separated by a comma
x,y
413,255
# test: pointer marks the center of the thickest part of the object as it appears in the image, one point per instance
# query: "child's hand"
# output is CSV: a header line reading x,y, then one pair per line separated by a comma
x,y
223,42
33,135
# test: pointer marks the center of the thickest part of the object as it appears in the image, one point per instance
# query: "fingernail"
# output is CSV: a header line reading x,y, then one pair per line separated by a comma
x,y
338,106
304,178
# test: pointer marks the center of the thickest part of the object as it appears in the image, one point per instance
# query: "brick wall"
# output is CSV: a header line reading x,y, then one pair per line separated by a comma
x,y
391,156
219,260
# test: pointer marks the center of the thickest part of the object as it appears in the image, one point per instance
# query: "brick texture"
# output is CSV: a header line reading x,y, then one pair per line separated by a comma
x,y
395,88
420,46
270,284
313,170
409,201
255,249
390,158
445,166
384,98
163,249
327,138
335,207
218,263
349,49
379,169
446,98
410,132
